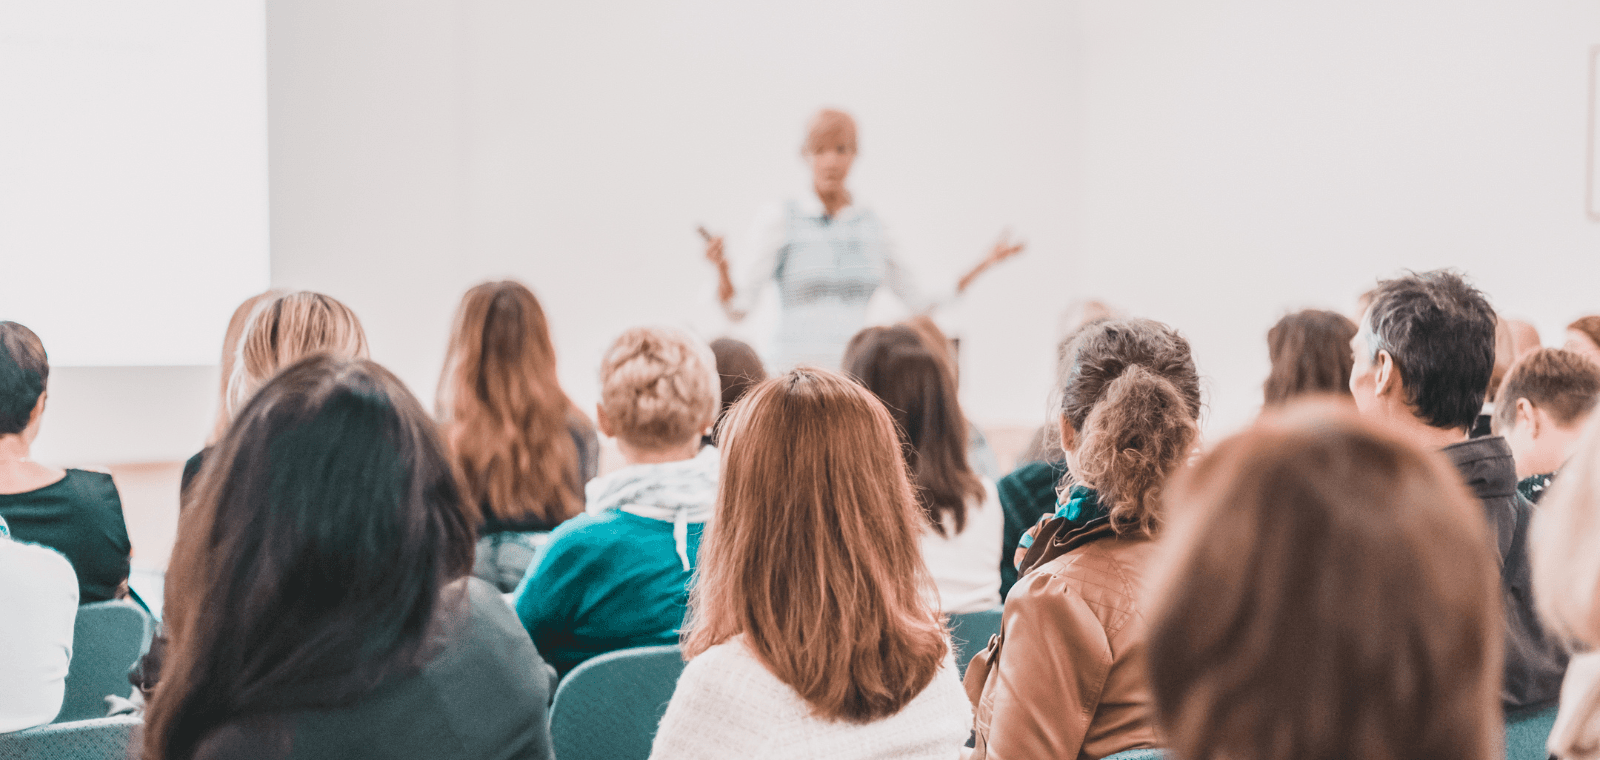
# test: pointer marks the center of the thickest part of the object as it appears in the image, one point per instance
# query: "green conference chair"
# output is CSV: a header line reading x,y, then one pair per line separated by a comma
x,y
969,634
97,739
1137,754
1527,731
608,708
107,639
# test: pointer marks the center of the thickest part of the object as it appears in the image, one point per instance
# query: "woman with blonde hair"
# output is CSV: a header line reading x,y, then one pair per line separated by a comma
x,y
1065,677
523,449
1565,549
276,329
1329,592
658,396
827,255
813,630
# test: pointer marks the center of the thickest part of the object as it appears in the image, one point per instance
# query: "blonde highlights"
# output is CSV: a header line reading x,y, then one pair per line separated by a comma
x,y
813,554
659,387
285,327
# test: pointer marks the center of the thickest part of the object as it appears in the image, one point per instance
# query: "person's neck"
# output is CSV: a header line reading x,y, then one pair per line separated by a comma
x,y
832,200
639,455
1428,436
14,448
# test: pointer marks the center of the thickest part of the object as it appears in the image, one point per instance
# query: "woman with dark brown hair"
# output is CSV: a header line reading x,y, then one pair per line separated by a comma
x,y
524,449
812,629
316,604
1310,353
1065,677
961,538
1329,593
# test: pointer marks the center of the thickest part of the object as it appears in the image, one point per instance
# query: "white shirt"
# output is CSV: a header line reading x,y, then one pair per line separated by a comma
x,y
728,705
966,566
38,606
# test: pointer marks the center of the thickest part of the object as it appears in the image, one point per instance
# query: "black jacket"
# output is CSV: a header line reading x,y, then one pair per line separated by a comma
x,y
1535,662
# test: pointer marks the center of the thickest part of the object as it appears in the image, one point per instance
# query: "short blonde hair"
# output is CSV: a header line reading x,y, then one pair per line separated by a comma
x,y
659,387
1565,545
285,328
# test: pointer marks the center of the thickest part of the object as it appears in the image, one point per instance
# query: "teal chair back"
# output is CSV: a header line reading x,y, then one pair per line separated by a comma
x,y
969,634
1137,754
106,640
1527,731
98,739
608,708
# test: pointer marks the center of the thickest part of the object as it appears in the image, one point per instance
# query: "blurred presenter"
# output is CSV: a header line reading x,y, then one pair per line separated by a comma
x,y
827,256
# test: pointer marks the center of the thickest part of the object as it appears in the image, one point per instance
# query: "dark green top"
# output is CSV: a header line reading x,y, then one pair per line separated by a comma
x,y
1533,486
606,582
1026,495
80,516
484,695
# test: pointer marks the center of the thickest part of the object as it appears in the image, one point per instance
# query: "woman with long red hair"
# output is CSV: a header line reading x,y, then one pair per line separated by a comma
x,y
814,628
523,449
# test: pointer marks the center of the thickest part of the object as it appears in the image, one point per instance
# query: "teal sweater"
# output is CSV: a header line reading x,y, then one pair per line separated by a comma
x,y
605,582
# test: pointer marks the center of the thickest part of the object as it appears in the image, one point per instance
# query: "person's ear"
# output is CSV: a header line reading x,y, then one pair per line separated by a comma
x,y
601,421
1526,417
1385,377
38,408
1069,437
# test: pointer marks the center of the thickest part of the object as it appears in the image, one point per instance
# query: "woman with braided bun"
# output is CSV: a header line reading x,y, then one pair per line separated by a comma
x,y
1065,677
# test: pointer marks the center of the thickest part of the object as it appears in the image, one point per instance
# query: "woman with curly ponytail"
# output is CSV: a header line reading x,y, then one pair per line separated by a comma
x,y
1065,678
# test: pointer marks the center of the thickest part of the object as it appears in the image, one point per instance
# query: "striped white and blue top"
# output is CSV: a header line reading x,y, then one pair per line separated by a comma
x,y
826,271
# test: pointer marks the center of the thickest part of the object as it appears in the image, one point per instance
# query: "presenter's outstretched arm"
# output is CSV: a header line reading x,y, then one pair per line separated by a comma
x,y
719,258
1003,249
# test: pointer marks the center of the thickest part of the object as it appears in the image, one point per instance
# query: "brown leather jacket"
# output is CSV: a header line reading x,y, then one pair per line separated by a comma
x,y
1065,678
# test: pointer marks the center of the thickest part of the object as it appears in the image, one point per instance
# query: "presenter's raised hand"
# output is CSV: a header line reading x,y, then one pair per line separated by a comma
x,y
716,255
1003,249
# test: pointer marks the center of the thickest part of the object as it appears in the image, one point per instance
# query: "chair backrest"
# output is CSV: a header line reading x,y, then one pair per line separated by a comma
x,y
106,640
1137,754
609,707
97,739
970,632
1527,731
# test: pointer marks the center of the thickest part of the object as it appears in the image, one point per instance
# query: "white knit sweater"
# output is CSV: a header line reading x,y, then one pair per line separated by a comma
x,y
728,705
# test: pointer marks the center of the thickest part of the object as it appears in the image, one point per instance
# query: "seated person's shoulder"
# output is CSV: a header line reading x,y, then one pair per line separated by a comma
x,y
35,565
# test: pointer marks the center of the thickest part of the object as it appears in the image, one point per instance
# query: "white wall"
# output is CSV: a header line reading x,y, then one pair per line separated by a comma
x,y
419,147
1247,157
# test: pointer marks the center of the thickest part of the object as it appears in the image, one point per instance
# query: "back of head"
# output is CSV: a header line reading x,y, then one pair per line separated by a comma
x,y
1563,384
738,368
24,375
1130,392
919,390
1564,545
505,417
1440,332
1310,352
1589,326
1327,591
311,561
230,354
658,387
815,556
285,328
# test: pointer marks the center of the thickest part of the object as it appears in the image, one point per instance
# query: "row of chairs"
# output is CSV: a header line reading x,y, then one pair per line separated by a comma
x,y
607,708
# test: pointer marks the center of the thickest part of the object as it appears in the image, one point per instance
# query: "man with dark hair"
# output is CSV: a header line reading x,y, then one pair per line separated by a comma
x,y
1423,359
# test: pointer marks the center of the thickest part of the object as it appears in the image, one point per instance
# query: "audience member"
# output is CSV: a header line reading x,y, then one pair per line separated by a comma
x,y
39,594
282,328
1565,544
1524,338
738,369
1284,624
1424,355
813,633
75,512
961,541
1583,337
980,455
317,604
1310,353
1065,678
523,448
658,395
1543,404
230,353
